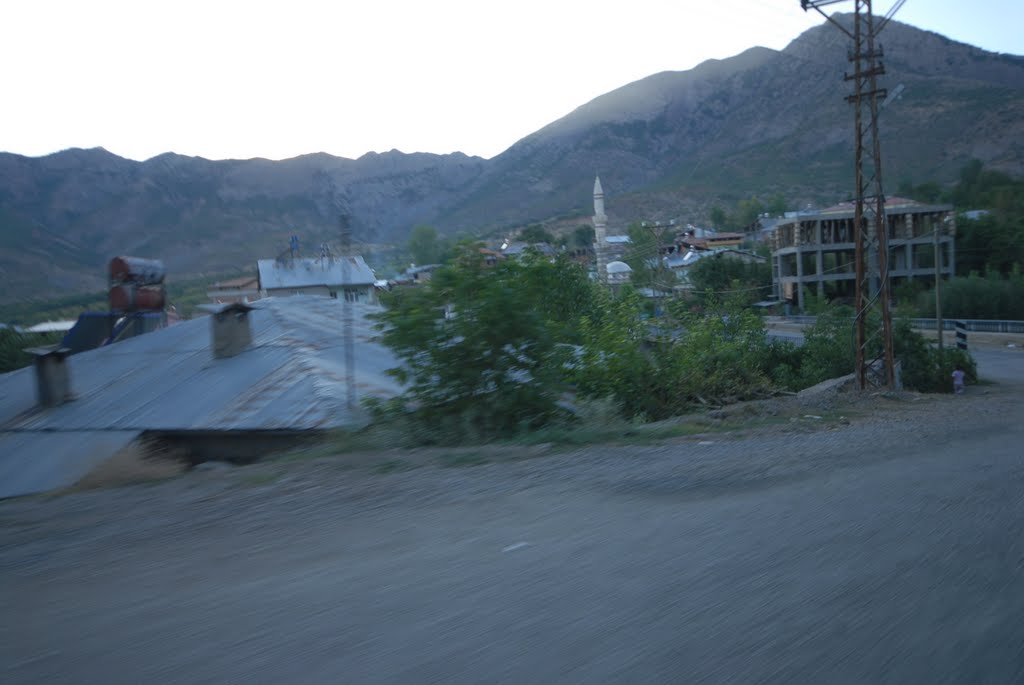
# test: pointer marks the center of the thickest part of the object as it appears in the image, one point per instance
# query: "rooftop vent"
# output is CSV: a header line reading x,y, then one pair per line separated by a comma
x,y
230,328
53,381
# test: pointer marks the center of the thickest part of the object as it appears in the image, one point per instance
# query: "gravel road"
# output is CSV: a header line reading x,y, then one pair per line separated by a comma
x,y
880,543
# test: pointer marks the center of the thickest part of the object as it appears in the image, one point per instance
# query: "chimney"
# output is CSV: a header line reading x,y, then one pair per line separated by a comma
x,y
230,328
53,381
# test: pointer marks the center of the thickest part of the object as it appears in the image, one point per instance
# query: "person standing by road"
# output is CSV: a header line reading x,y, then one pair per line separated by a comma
x,y
958,380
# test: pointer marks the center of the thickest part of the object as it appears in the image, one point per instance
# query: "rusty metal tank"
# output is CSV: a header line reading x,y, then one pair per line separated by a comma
x,y
137,270
129,298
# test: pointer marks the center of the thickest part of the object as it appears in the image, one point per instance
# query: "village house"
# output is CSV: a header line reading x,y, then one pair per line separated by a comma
x,y
243,289
327,276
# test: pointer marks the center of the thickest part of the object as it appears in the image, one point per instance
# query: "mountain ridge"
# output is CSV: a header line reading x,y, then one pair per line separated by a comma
x,y
666,146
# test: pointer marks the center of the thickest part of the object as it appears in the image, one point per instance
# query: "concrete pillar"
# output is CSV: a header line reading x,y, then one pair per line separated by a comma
x,y
230,330
53,380
800,279
819,265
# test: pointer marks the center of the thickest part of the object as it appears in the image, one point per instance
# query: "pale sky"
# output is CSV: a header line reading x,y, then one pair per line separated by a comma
x,y
238,79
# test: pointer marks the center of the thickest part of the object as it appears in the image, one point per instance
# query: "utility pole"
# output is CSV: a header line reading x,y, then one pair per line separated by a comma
x,y
348,346
938,284
348,294
873,335
662,274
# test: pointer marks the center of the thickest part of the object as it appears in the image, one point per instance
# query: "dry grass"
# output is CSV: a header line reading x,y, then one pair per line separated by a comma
x,y
139,462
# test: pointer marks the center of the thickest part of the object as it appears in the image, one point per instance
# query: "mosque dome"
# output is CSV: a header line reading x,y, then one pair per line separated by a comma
x,y
618,268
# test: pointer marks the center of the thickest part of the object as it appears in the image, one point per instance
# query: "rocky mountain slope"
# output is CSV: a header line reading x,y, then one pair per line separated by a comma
x,y
670,145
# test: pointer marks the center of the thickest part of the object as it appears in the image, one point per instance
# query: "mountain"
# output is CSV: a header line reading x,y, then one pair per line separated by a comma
x,y
763,122
667,146
64,215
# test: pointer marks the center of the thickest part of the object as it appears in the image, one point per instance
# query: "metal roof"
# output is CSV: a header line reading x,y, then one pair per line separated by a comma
x,y
292,376
309,272
518,248
38,462
678,261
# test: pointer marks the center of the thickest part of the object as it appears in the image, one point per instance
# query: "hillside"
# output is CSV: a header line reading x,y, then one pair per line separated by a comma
x,y
669,145
765,122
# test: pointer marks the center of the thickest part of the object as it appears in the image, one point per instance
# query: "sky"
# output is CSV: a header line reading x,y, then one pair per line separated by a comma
x,y
233,80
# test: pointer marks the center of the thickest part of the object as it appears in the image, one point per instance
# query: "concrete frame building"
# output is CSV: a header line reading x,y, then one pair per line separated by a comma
x,y
817,250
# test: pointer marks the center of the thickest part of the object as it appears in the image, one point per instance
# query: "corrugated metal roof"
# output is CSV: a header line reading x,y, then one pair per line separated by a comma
x,y
307,272
38,462
291,377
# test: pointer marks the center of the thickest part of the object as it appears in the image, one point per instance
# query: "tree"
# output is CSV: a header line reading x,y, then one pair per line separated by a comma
x,y
583,236
535,234
644,258
718,274
482,348
719,219
776,205
747,212
426,247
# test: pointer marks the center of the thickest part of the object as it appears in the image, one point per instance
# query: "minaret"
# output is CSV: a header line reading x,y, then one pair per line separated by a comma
x,y
600,228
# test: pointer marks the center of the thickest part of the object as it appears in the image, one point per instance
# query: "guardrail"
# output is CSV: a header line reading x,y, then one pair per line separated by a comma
x,y
973,325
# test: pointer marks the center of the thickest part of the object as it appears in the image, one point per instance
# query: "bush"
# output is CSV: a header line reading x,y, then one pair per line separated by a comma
x,y
13,344
716,356
926,368
980,297
828,349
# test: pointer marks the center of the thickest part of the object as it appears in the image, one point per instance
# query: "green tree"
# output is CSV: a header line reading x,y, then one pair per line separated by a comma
x,y
426,247
747,212
583,236
719,219
536,234
483,348
776,205
644,258
717,274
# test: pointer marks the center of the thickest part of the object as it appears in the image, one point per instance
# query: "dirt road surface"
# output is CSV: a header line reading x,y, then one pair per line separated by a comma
x,y
880,543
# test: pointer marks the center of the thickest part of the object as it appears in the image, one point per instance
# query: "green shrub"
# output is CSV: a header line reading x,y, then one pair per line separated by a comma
x,y
828,349
923,367
13,344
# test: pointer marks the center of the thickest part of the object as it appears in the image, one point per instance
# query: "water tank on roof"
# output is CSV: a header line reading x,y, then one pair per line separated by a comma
x,y
137,270
128,298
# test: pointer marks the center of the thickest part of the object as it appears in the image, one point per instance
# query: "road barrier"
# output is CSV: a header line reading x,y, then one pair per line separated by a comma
x,y
972,325
961,335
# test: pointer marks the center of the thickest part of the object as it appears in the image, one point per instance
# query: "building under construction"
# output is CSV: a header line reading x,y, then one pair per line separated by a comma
x,y
814,252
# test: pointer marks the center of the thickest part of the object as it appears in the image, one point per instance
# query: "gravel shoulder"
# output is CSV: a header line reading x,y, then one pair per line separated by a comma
x,y
754,444
839,538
